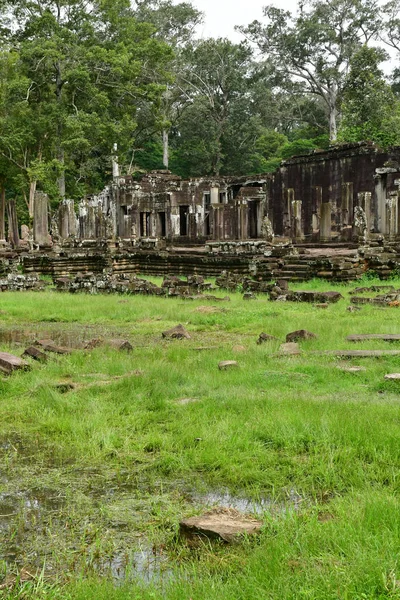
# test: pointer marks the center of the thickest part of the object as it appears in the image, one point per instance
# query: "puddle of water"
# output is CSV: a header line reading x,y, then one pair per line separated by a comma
x,y
246,505
146,563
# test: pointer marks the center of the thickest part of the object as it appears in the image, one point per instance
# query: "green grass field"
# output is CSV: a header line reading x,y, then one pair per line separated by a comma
x,y
94,481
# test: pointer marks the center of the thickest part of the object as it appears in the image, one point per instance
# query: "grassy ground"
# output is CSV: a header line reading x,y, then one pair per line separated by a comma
x,y
93,482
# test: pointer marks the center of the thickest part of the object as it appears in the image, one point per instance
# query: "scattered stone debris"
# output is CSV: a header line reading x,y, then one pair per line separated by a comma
x,y
314,297
227,364
322,305
176,333
239,348
392,376
35,353
362,353
300,334
22,283
387,337
226,524
373,288
10,363
120,345
249,296
51,346
209,309
354,369
353,309
265,337
289,349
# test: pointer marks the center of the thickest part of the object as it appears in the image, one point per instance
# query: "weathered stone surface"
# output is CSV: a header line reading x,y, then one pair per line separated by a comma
x,y
221,523
362,353
120,345
393,376
249,296
51,346
265,337
313,297
353,309
354,369
227,364
35,353
239,348
10,363
387,337
289,349
300,334
176,333
322,305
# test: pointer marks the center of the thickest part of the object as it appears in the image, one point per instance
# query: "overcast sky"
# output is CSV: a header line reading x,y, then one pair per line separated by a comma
x,y
221,16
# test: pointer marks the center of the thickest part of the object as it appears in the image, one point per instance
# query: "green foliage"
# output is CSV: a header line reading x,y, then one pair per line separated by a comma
x,y
370,109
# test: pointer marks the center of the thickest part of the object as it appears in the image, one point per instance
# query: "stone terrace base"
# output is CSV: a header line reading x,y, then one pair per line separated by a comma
x,y
279,262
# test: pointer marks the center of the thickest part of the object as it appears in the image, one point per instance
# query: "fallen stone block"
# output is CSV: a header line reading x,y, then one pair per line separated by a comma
x,y
354,369
221,523
35,353
362,353
227,364
387,337
176,333
50,346
290,349
265,337
300,334
120,345
392,377
10,363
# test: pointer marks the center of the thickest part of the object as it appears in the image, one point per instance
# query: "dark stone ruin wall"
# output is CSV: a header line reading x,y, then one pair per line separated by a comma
x,y
338,176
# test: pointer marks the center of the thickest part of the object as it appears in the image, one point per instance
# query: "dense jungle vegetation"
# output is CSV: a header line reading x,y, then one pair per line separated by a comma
x,y
77,77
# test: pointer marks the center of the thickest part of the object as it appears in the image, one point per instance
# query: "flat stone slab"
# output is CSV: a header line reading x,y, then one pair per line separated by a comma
x,y
387,337
351,369
227,364
362,353
35,353
51,346
176,333
290,349
221,523
393,377
10,363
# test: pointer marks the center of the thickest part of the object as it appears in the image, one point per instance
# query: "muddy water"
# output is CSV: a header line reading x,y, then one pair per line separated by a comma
x,y
224,499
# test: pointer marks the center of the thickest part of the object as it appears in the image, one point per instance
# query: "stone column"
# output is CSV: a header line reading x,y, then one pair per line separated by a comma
x,y
326,224
392,204
67,221
364,202
297,230
214,195
13,235
115,165
347,202
41,219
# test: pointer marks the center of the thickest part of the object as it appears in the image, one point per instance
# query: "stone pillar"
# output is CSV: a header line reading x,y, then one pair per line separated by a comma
x,y
214,195
2,214
67,221
347,203
297,229
380,191
392,217
364,202
13,235
326,222
41,219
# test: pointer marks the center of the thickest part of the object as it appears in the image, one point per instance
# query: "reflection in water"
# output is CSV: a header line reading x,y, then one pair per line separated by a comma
x,y
225,499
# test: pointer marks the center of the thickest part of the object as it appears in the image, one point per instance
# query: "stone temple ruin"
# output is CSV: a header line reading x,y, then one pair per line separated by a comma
x,y
330,214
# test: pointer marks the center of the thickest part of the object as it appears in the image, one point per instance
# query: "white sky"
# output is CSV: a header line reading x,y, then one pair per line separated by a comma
x,y
221,16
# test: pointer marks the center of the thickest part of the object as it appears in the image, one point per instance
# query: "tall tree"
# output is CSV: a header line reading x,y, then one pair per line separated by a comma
x,y
86,70
370,109
315,45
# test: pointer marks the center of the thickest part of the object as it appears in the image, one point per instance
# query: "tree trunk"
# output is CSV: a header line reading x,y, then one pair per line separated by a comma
x,y
333,113
32,190
165,139
2,212
60,149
